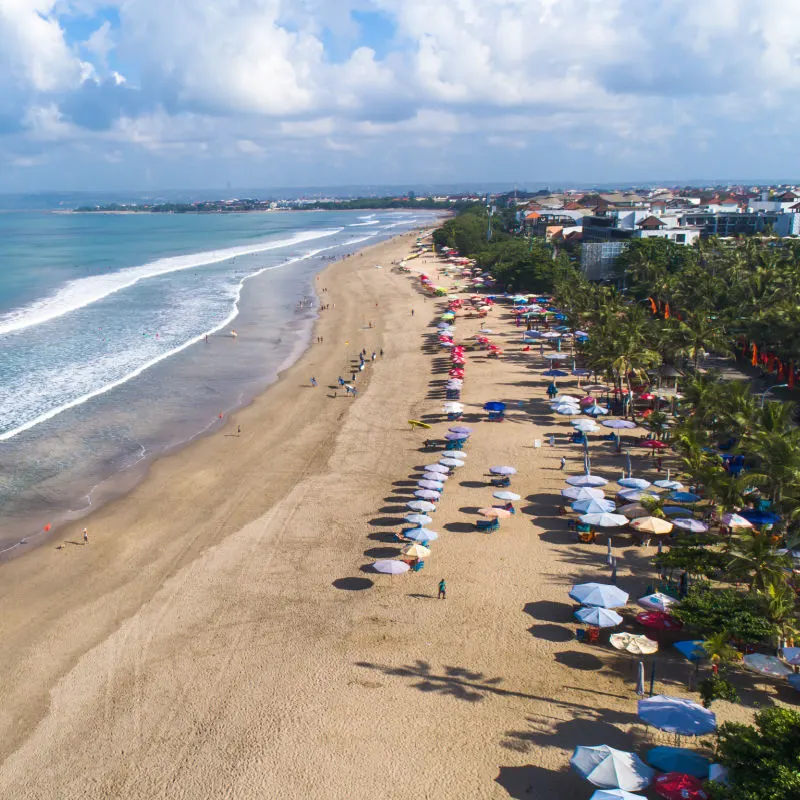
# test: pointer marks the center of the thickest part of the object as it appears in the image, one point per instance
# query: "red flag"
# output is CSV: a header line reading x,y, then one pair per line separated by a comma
x,y
666,311
754,359
652,304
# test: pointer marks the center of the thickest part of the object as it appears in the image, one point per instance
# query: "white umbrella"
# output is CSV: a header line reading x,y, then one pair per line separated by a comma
x,y
586,480
427,494
451,462
766,665
612,769
441,477
420,505
568,411
391,567
418,519
582,493
635,643
436,468
604,519
556,356
435,485
505,496
635,495
453,408
691,525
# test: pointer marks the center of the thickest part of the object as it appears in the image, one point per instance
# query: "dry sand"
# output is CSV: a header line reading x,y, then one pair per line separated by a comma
x,y
219,637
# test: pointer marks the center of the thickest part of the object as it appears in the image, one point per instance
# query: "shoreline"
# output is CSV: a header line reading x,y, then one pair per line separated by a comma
x,y
32,573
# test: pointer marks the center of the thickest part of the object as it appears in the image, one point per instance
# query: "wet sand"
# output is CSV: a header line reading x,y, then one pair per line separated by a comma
x,y
222,635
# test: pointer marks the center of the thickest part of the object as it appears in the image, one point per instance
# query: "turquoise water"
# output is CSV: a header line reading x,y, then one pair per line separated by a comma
x,y
103,321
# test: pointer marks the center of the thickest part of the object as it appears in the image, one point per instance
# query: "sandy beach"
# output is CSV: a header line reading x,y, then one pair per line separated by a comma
x,y
219,636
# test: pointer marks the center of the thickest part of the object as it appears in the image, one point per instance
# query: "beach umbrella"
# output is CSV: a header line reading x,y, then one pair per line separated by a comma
x,y
611,769
551,335
555,373
416,551
456,437
635,495
586,480
418,519
658,621
427,494
677,715
679,786
766,665
421,535
603,595
633,510
451,462
453,408
585,425
532,335
634,643
510,496
633,483
581,373
390,567
668,484
615,794
436,486
503,470
494,406
657,602
791,655
497,513
436,468
555,356
420,505
678,759
439,477
759,517
598,617
593,506
653,444
736,521
684,497
460,429
692,649
596,411
567,410
654,525
582,493
616,423
604,519
691,525
675,511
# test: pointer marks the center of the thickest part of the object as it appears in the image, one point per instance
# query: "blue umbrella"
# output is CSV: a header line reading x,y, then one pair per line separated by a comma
x,y
694,651
456,437
679,511
555,373
618,423
586,480
633,483
678,759
611,769
599,617
421,535
598,594
593,505
666,483
684,497
794,681
759,517
596,411
582,373
677,715
582,493
494,406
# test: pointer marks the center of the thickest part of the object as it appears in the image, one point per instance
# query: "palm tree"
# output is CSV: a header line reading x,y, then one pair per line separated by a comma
x,y
704,332
778,454
781,608
753,558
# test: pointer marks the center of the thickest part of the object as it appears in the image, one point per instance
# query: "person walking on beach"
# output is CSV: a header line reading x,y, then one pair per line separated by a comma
x,y
412,312
563,463
442,590
238,430
86,536
313,382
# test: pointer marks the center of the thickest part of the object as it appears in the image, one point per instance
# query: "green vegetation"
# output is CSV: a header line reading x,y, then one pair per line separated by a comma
x,y
763,760
516,263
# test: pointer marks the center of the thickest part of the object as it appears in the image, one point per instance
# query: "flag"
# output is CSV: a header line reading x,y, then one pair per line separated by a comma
x,y
754,359
652,305
666,311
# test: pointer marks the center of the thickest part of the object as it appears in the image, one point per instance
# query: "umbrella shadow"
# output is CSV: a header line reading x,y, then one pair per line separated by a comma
x,y
580,660
353,584
382,552
380,522
538,783
549,611
469,509
474,484
551,632
460,527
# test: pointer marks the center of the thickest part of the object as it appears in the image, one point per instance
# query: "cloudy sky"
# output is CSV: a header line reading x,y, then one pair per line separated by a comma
x,y
146,94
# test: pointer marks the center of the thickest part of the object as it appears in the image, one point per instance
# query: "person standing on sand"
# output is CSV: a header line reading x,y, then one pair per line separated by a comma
x,y
442,590
313,382
412,312
86,536
238,430
563,463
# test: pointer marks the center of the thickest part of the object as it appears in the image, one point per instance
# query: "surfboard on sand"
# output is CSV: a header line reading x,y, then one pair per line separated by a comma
x,y
415,423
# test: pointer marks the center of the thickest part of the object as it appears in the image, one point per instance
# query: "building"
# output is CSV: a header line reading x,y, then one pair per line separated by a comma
x,y
598,259
779,223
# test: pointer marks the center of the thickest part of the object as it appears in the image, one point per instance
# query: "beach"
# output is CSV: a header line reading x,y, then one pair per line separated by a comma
x,y
221,635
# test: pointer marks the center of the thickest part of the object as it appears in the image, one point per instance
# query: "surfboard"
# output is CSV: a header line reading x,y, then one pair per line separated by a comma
x,y
415,423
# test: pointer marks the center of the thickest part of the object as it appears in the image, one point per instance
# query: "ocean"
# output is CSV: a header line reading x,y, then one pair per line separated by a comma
x,y
104,362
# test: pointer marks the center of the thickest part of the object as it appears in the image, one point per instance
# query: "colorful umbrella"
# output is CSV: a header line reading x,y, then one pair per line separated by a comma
x,y
736,521
684,497
635,643
678,759
654,525
612,769
677,786
603,595
693,650
677,715
497,513
653,444
760,517
659,621
598,617
657,602
391,567
691,525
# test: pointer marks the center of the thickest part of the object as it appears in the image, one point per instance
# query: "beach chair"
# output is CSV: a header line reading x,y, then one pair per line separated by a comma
x,y
453,417
418,566
501,482
399,537
458,445
487,525
496,416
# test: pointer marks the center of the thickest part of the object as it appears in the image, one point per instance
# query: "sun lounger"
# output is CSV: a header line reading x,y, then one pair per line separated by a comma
x,y
496,416
501,482
487,525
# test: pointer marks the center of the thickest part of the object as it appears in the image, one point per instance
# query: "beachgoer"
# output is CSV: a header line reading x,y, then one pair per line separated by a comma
x,y
206,338
355,391
412,312
381,352
86,536
373,356
238,430
353,377
552,440
313,382
442,590
658,463
563,462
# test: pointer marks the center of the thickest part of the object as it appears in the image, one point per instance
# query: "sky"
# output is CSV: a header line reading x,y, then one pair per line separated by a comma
x,y
158,94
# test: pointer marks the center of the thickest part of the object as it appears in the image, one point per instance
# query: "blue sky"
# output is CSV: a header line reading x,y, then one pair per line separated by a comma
x,y
149,94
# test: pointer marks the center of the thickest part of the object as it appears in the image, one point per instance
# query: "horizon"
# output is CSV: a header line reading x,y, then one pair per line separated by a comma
x,y
136,97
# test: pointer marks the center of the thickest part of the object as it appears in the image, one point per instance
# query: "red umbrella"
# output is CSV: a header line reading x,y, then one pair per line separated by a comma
x,y
647,396
659,621
656,445
677,786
